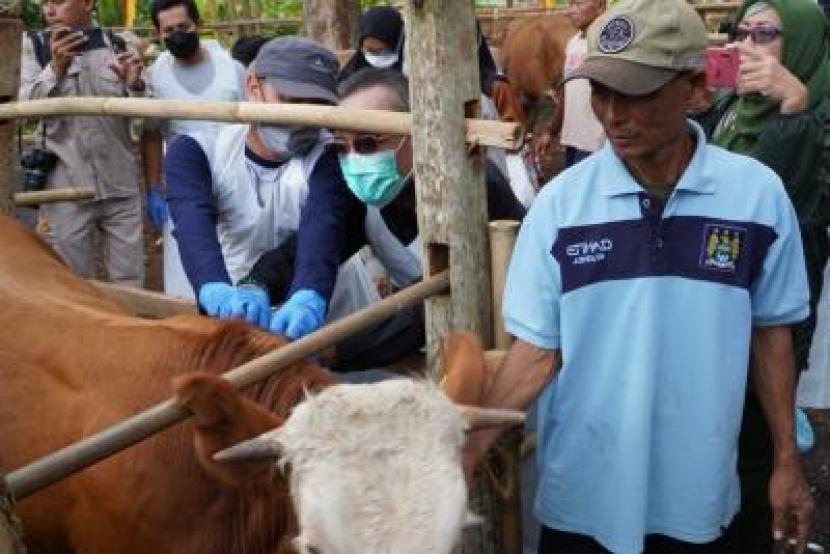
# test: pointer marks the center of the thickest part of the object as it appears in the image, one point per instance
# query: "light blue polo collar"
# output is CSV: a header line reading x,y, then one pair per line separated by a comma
x,y
618,181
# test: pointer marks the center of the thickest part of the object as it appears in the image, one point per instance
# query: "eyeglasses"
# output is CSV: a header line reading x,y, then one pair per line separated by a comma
x,y
365,144
760,35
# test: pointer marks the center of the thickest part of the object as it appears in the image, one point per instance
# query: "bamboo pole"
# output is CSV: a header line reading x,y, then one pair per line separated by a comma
x,y
478,131
145,303
36,198
502,239
54,467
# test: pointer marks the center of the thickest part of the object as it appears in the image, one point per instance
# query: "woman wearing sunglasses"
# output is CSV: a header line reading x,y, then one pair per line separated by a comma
x,y
779,114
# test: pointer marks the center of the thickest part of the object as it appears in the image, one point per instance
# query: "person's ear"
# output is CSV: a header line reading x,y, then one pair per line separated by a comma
x,y
253,88
698,94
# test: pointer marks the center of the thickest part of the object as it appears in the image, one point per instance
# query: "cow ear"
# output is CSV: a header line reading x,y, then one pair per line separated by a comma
x,y
223,417
464,369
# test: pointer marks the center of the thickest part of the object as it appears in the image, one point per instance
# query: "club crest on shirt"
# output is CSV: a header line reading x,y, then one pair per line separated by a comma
x,y
722,247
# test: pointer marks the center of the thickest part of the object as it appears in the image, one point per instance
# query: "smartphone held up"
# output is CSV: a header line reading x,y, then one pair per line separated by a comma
x,y
722,66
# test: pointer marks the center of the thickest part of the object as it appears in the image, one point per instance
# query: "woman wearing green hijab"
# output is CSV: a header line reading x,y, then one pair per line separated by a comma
x,y
780,115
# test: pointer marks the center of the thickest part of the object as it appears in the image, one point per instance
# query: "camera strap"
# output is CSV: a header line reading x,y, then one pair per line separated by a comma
x,y
41,48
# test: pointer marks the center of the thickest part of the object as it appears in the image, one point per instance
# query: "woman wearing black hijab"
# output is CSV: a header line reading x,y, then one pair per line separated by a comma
x,y
380,34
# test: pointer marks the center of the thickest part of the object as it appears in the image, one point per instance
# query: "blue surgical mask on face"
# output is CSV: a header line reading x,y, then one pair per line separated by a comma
x,y
373,178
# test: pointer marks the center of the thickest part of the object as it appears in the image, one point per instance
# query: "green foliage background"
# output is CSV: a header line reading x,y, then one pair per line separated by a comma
x,y
111,14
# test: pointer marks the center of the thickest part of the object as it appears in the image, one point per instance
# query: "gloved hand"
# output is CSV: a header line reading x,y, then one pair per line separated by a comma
x,y
156,207
303,313
247,302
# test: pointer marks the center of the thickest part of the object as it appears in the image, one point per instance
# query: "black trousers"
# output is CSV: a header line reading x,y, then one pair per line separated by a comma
x,y
559,542
755,461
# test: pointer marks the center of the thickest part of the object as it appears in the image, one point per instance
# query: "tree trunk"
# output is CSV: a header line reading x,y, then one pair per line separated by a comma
x,y
11,29
332,23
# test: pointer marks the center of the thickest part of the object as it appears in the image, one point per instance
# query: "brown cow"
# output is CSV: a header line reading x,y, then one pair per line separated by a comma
x,y
532,57
73,363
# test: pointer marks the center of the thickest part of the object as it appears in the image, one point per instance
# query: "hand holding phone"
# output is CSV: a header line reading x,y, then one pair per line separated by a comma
x,y
722,67
64,45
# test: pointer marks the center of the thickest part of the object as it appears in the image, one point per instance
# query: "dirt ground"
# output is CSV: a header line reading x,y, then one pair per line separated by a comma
x,y
817,468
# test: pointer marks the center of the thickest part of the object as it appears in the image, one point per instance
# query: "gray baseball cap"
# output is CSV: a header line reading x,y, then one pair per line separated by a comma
x,y
299,68
638,46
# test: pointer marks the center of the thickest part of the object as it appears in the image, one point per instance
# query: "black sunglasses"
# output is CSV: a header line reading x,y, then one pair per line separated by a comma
x,y
361,144
760,35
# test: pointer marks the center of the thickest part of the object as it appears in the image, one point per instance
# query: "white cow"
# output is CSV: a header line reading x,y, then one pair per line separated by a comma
x,y
374,469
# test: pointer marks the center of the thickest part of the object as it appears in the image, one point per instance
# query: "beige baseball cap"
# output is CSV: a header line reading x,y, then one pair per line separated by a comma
x,y
637,46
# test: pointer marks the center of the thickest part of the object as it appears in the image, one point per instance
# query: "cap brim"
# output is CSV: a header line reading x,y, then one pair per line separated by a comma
x,y
623,76
304,91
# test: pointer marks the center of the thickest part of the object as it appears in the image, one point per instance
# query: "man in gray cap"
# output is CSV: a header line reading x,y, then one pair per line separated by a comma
x,y
239,192
643,281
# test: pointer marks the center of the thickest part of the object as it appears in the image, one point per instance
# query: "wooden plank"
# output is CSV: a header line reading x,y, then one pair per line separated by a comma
x,y
452,211
11,30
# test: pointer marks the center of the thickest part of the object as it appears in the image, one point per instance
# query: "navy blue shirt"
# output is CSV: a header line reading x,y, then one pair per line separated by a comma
x,y
329,211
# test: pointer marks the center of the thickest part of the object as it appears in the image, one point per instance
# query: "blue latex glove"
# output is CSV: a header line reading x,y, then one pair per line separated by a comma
x,y
246,302
303,313
805,439
156,207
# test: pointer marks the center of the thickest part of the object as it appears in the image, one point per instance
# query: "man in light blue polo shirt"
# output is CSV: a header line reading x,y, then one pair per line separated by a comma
x,y
651,272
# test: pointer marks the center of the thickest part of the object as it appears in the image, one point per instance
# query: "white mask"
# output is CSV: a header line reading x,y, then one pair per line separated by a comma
x,y
381,61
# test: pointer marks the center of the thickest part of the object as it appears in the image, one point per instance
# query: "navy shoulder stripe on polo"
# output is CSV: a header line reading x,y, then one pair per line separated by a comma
x,y
698,248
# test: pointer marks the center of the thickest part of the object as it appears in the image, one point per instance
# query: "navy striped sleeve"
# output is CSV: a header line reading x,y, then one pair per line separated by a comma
x,y
194,211
330,223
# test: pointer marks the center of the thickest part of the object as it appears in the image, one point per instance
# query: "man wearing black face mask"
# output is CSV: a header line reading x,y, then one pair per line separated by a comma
x,y
238,192
187,70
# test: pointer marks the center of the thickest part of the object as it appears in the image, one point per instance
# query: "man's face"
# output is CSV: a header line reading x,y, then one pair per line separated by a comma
x,y
67,13
175,19
377,98
583,12
638,127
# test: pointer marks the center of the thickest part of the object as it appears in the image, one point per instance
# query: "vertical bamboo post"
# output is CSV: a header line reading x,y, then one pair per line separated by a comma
x,y
11,29
441,50
332,23
502,239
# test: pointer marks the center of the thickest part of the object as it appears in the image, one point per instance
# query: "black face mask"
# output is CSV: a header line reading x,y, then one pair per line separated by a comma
x,y
182,45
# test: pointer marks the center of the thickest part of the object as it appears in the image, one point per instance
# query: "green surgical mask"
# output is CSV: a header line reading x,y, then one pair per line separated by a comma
x,y
373,178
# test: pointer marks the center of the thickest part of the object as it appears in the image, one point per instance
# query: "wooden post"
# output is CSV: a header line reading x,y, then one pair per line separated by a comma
x,y
441,49
11,30
332,23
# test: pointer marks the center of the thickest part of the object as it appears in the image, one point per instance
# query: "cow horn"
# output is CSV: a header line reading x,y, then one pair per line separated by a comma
x,y
259,448
491,417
